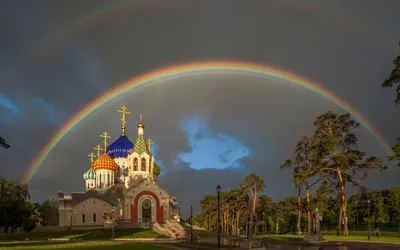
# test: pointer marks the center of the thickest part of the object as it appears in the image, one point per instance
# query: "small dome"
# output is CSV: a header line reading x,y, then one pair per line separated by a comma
x,y
125,172
120,148
105,162
156,169
89,175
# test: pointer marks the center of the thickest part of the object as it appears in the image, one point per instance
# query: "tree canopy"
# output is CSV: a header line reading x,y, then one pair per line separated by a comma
x,y
394,79
3,143
15,208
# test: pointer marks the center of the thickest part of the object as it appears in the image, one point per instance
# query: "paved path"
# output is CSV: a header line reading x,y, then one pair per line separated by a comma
x,y
176,246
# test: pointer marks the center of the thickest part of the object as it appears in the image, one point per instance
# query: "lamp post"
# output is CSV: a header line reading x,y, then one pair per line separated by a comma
x,y
112,221
191,224
219,219
369,235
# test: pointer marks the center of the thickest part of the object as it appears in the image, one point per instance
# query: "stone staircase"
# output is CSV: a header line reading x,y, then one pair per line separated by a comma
x,y
175,230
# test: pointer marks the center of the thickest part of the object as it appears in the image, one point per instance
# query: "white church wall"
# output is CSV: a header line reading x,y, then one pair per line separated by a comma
x,y
89,209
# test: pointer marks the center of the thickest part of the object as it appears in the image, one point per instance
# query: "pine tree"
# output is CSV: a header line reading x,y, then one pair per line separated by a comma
x,y
304,169
341,161
3,143
394,79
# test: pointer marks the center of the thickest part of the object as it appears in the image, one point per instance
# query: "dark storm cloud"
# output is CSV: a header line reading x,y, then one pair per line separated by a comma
x,y
266,115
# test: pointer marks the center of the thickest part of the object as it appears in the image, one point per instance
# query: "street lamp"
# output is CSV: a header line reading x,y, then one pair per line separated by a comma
x,y
369,235
191,224
219,219
112,221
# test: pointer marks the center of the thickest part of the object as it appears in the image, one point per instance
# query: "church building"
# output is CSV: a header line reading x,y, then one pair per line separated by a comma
x,y
122,181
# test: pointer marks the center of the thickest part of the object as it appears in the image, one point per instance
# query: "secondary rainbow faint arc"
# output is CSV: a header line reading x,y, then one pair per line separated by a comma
x,y
197,67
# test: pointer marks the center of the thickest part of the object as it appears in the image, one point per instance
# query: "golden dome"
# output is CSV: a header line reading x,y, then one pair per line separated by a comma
x,y
105,162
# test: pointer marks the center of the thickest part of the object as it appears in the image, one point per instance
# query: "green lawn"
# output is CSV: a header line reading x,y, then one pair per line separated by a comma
x,y
85,234
80,246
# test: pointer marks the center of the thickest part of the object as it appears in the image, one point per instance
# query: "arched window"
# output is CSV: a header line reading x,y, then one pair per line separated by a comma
x,y
83,218
94,217
135,164
143,164
108,180
101,181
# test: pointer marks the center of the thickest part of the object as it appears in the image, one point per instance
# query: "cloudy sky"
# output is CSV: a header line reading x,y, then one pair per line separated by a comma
x,y
209,129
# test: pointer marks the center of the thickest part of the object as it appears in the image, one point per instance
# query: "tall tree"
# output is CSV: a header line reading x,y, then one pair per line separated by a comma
x,y
49,213
342,161
394,78
265,210
395,157
239,204
3,143
15,209
254,184
303,171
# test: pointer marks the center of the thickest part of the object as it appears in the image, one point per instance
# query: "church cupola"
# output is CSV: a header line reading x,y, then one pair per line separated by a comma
x,y
104,166
120,148
90,175
141,161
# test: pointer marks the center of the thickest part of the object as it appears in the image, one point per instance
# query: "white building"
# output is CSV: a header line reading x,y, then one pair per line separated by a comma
x,y
123,180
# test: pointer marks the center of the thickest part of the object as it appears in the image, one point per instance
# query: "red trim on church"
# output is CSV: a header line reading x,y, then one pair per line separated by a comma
x,y
135,207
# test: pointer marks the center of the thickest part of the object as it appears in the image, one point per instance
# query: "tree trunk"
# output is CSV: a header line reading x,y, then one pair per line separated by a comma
x,y
254,200
298,211
308,208
343,204
339,223
237,223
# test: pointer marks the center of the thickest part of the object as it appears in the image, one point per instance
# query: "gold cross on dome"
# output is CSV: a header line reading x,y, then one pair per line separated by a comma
x,y
91,157
98,148
123,111
149,143
105,136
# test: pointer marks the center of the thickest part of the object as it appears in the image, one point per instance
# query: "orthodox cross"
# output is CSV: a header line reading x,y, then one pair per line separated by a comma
x,y
91,157
105,136
140,117
98,148
123,111
149,143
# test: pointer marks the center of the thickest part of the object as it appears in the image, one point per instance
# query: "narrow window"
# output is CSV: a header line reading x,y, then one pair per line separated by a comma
x,y
83,218
108,180
143,164
135,164
94,217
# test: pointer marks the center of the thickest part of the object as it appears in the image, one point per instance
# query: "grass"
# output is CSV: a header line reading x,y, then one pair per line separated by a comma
x,y
85,234
329,235
209,245
80,246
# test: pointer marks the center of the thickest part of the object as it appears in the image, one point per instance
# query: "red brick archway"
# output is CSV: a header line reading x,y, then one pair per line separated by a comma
x,y
135,207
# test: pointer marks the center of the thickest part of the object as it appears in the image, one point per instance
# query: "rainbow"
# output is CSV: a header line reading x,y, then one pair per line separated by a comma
x,y
116,9
191,69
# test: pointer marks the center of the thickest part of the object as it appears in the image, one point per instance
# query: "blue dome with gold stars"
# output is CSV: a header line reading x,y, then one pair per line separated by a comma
x,y
120,148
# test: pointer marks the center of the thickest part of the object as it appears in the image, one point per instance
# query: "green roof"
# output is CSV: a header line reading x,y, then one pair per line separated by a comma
x,y
140,145
156,169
